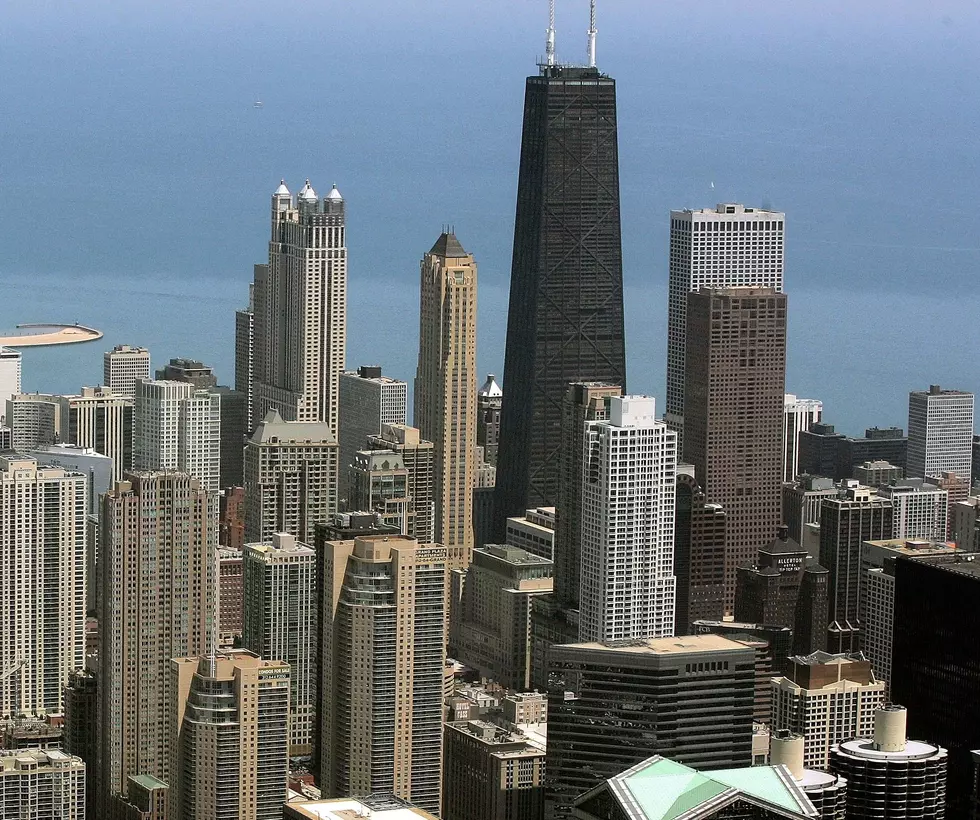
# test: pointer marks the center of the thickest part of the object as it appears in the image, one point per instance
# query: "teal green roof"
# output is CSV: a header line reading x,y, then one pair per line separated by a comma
x,y
661,789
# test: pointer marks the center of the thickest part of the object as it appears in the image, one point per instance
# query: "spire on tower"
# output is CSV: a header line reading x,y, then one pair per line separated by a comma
x,y
592,33
549,46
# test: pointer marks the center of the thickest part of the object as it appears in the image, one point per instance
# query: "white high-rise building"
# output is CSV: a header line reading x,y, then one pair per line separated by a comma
x,y
9,375
245,350
920,509
123,367
368,401
798,415
42,583
42,784
300,309
178,427
280,622
726,247
940,433
627,562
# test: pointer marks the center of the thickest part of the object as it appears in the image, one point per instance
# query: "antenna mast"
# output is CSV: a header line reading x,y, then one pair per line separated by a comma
x,y
549,45
592,33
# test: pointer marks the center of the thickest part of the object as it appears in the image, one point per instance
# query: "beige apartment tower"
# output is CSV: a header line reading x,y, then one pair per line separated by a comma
x,y
230,747
42,584
300,309
445,385
382,628
290,478
158,549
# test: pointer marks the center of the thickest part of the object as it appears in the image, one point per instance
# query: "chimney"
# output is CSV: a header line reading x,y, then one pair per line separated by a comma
x,y
786,748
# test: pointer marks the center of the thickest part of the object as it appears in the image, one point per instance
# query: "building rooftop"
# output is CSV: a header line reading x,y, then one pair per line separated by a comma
x,y
490,388
867,748
148,781
667,646
272,429
913,546
377,807
660,789
960,563
448,247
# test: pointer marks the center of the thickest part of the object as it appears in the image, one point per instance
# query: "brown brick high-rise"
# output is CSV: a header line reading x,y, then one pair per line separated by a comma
x,y
733,406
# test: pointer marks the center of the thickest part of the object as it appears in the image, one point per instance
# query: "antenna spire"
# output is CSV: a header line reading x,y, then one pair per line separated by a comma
x,y
549,45
592,33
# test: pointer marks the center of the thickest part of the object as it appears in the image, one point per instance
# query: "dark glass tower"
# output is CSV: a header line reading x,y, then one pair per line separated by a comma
x,y
566,292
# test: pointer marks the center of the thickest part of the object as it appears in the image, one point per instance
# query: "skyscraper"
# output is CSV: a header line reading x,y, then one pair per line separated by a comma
x,y
699,555
9,375
102,420
490,399
42,784
158,541
300,309
690,699
627,565
178,427
417,457
245,349
280,622
124,367
382,627
42,583
798,415
733,406
290,478
230,730
368,401
730,246
445,384
565,321
845,524
940,433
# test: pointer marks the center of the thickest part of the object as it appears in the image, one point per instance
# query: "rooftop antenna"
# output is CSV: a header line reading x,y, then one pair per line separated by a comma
x,y
549,45
592,33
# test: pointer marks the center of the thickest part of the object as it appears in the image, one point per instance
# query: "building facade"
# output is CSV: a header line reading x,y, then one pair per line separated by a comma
x,y
178,427
565,319
300,309
627,560
940,432
290,478
733,416
245,349
230,745
445,384
690,699
534,531
699,555
828,699
280,622
490,399
493,631
10,372
919,509
798,415
42,583
724,247
42,785
382,609
123,368
368,401
158,541
418,458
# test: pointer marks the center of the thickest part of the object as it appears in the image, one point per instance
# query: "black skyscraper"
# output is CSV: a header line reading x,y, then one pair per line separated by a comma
x,y
566,292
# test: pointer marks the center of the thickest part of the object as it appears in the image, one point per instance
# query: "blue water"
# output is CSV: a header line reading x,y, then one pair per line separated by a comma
x,y
135,173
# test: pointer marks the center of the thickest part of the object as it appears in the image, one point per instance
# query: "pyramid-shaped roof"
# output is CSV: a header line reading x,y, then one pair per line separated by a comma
x,y
448,246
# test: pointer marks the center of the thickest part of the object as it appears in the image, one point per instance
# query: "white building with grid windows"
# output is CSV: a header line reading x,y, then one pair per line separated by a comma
x,y
42,583
728,246
798,415
627,560
42,784
940,433
178,427
920,509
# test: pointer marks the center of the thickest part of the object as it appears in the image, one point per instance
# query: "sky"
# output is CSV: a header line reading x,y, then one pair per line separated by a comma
x,y
135,171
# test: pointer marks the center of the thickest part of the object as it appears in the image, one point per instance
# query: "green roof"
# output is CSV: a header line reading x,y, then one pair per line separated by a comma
x,y
661,789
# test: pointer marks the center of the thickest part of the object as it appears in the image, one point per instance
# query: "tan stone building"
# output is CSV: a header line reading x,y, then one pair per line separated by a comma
x,y
158,542
290,478
382,617
230,737
445,385
418,457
